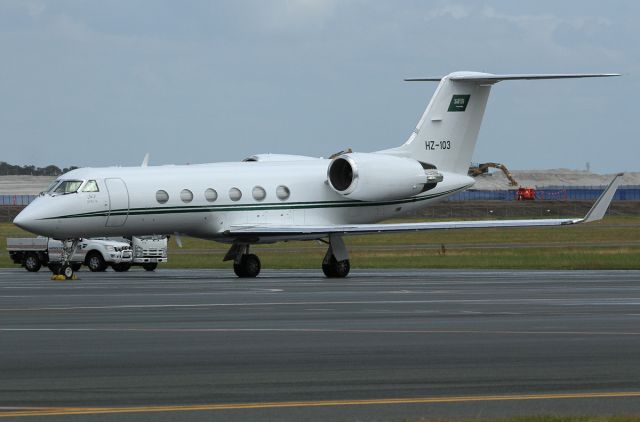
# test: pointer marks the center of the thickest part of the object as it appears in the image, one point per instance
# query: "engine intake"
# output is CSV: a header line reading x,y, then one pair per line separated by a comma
x,y
379,177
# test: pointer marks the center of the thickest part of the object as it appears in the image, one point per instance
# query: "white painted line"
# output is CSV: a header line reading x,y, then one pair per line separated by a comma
x,y
320,330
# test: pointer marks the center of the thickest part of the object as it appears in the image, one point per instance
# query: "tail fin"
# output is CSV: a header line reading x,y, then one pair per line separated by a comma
x,y
446,134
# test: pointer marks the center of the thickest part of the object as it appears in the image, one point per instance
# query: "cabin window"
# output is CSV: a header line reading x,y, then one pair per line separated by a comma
x,y
68,186
162,196
91,186
186,195
283,192
210,195
235,194
259,193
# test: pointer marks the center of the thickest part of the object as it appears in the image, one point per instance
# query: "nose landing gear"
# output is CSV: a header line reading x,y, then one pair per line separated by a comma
x,y
66,271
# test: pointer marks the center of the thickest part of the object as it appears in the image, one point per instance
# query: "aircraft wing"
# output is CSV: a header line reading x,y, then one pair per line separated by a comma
x,y
596,212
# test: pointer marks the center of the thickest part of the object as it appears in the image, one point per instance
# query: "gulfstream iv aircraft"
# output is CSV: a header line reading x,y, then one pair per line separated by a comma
x,y
269,198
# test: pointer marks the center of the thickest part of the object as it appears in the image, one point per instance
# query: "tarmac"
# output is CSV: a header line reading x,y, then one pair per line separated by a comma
x,y
381,345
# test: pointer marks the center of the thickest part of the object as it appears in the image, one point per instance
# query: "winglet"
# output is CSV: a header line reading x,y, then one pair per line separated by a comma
x,y
145,160
601,205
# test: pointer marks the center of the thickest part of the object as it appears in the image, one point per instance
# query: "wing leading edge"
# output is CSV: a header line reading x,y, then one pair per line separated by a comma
x,y
596,212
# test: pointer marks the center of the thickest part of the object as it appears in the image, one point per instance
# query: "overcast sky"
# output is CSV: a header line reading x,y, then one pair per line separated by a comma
x,y
97,83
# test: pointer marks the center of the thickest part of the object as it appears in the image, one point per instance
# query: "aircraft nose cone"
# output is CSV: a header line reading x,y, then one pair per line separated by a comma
x,y
25,219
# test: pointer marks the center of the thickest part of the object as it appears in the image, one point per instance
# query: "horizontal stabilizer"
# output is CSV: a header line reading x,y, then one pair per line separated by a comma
x,y
488,78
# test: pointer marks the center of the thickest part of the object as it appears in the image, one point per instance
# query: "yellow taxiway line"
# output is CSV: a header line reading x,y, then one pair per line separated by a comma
x,y
57,411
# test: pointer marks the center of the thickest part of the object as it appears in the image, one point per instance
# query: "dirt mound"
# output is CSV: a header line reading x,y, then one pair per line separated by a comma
x,y
496,180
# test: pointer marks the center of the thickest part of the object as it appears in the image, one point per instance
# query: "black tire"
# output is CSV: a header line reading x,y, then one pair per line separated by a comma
x,y
151,266
249,266
76,266
121,267
336,269
54,267
96,262
67,272
32,262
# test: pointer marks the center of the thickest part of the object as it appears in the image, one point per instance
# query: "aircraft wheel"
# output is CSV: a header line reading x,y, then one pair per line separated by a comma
x,y
67,272
248,267
32,263
121,267
336,269
96,262
54,267
150,266
76,267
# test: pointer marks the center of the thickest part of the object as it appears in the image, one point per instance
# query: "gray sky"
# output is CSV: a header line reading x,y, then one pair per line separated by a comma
x,y
101,83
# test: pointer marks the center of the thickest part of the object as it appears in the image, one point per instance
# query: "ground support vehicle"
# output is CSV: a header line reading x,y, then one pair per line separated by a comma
x,y
148,252
97,254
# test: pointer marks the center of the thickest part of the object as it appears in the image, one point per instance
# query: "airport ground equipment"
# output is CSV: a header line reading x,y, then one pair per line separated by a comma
x,y
483,168
525,194
148,252
35,252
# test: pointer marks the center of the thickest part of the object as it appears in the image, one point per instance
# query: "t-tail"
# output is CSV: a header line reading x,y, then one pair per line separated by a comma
x,y
446,134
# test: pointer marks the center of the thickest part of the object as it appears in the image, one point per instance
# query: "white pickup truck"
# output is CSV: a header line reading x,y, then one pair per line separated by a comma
x,y
97,254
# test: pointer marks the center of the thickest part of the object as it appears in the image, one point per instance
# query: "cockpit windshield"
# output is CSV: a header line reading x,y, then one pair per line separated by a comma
x,y
68,186
51,186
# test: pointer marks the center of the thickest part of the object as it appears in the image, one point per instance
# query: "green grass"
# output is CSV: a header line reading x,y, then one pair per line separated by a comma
x,y
613,243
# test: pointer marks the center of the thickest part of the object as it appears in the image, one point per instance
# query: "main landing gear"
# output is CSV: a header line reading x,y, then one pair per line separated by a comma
x,y
336,261
334,265
245,264
66,270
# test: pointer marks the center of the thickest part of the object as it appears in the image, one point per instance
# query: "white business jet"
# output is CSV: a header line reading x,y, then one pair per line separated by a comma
x,y
269,198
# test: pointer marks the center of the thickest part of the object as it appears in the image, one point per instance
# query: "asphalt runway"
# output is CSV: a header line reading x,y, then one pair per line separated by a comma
x,y
292,345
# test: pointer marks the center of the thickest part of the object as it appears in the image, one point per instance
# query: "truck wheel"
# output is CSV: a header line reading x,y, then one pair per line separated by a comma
x,y
121,267
150,266
32,263
96,262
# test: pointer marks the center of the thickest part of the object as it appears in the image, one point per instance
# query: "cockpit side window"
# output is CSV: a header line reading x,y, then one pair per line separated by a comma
x,y
91,186
68,186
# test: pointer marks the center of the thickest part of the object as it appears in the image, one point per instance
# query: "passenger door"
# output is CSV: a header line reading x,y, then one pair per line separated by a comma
x,y
118,202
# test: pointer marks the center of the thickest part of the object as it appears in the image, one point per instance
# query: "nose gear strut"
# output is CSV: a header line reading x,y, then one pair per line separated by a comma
x,y
65,270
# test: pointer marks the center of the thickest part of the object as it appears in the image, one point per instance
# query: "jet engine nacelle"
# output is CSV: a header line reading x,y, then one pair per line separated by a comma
x,y
377,177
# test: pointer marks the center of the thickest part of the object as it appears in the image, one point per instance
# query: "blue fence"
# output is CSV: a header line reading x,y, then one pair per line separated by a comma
x,y
16,199
587,193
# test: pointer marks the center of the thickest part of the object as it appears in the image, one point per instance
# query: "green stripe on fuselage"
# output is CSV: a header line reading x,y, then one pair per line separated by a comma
x,y
253,207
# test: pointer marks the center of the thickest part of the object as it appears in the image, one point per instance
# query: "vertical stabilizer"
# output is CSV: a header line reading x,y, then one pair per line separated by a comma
x,y
446,134
447,131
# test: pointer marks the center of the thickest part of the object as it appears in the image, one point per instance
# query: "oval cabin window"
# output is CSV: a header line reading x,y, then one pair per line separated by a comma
x,y
186,195
162,196
235,194
210,195
259,193
283,192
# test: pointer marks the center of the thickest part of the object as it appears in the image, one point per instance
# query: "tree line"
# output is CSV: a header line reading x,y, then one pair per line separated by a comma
x,y
7,169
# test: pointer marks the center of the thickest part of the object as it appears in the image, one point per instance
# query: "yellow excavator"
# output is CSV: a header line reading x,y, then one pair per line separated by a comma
x,y
476,170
